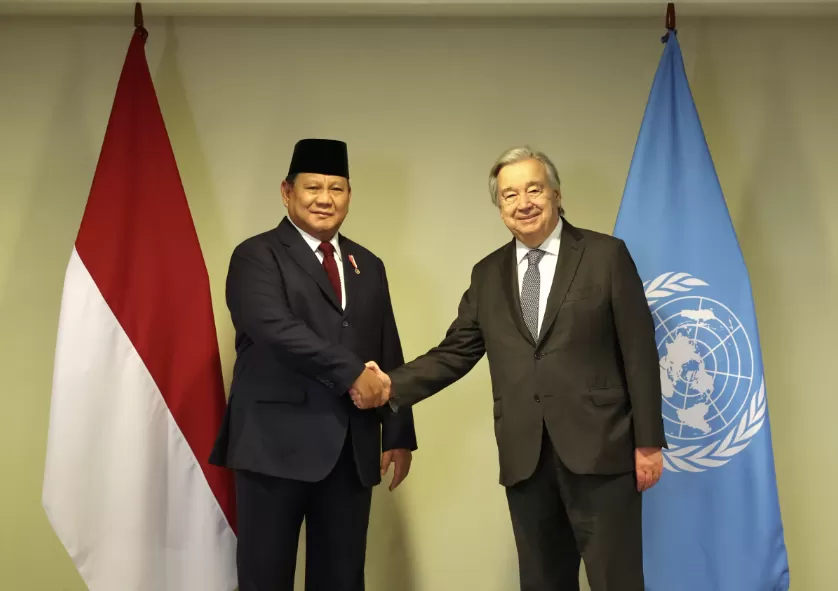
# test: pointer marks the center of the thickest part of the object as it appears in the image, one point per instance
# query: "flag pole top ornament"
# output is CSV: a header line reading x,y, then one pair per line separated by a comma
x,y
670,21
138,21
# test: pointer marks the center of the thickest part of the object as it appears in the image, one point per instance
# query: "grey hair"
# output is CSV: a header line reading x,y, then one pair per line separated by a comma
x,y
520,154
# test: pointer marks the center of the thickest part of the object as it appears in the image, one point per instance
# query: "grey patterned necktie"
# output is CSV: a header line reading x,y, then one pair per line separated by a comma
x,y
530,291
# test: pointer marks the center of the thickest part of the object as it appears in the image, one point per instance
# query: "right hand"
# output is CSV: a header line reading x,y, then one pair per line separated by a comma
x,y
370,390
385,379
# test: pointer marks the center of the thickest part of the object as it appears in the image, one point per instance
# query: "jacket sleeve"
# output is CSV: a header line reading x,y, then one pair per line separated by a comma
x,y
636,336
398,431
259,307
453,358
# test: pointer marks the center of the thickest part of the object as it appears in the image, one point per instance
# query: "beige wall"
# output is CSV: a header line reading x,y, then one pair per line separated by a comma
x,y
426,106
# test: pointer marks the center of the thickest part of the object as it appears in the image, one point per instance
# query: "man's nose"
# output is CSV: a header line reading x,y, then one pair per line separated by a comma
x,y
323,199
525,202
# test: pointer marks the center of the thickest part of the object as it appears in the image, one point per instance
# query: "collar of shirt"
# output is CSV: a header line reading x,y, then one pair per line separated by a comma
x,y
550,246
314,243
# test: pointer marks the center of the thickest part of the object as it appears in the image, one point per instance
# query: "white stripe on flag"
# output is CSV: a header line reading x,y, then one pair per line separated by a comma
x,y
116,457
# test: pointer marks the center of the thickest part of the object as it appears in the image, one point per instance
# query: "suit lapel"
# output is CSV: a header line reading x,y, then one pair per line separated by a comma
x,y
305,258
509,279
351,279
570,253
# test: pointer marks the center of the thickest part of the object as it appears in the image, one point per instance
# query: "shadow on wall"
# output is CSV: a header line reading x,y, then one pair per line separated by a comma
x,y
31,303
197,182
785,239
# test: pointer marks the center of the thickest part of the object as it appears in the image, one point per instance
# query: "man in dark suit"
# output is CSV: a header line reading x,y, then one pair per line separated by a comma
x,y
562,316
309,307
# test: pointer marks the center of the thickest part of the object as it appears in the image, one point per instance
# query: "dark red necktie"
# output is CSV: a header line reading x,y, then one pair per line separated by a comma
x,y
331,267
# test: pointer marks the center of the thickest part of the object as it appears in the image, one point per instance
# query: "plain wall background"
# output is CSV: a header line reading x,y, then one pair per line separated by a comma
x,y
426,106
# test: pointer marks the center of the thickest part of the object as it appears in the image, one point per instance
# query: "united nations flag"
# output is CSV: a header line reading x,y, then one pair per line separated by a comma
x,y
713,522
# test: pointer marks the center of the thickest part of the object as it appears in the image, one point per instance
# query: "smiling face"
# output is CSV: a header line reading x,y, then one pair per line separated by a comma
x,y
529,205
317,203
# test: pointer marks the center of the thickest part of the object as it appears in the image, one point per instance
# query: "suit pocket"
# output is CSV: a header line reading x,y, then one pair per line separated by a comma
x,y
259,377
607,396
290,394
497,409
277,384
582,293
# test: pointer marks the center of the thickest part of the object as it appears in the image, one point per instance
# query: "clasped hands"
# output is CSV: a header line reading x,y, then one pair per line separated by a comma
x,y
372,388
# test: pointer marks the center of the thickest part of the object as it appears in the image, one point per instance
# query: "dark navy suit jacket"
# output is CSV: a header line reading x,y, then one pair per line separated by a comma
x,y
298,353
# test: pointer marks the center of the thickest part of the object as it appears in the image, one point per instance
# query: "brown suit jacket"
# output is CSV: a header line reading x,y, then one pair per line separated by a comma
x,y
592,377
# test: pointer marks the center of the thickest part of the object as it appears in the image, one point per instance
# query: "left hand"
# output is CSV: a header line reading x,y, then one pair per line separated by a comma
x,y
648,462
400,458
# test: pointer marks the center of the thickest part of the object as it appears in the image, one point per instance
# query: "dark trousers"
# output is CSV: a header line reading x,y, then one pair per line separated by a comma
x,y
270,513
559,516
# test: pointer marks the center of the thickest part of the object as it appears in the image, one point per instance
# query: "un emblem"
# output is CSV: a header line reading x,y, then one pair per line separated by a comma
x,y
713,401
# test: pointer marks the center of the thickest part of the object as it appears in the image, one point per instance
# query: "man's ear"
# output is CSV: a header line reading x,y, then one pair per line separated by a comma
x,y
285,188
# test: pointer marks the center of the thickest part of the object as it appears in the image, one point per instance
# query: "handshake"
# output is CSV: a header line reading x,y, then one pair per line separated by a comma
x,y
372,388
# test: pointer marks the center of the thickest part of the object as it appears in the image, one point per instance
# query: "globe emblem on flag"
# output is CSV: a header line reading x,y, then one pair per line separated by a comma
x,y
705,373
713,402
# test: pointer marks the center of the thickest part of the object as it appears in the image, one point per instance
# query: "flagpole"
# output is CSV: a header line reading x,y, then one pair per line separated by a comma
x,y
138,21
670,21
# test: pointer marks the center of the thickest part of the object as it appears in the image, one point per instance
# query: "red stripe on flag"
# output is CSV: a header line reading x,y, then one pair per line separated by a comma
x,y
139,243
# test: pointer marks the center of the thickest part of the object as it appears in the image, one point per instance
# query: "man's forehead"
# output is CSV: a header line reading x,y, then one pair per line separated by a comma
x,y
522,174
321,178
530,166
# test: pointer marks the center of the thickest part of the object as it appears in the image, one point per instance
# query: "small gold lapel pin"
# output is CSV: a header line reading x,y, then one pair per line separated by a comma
x,y
354,265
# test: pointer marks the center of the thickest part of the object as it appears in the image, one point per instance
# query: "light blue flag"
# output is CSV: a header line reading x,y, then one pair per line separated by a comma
x,y
713,521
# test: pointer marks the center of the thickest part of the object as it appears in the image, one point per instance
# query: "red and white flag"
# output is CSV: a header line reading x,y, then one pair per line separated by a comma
x,y
137,395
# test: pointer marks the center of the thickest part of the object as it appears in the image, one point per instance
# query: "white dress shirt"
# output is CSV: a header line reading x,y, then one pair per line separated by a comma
x,y
314,243
546,267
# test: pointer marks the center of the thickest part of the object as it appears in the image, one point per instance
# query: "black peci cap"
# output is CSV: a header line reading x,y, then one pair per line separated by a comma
x,y
318,156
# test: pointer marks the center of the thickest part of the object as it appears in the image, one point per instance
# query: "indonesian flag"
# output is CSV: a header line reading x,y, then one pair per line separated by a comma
x,y
137,395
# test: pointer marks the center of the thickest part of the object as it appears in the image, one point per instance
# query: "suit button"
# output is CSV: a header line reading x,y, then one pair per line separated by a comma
x,y
537,398
345,323
538,355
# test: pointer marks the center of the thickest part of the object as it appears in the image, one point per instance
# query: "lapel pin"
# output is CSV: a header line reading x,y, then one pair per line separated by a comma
x,y
354,265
